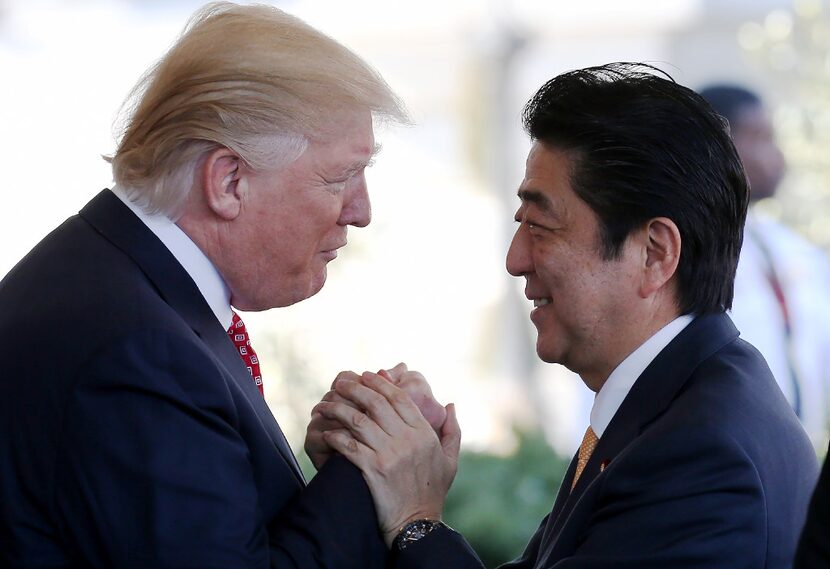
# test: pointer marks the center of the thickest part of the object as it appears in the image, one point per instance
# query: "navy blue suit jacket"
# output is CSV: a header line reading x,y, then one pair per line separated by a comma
x,y
814,547
703,466
132,435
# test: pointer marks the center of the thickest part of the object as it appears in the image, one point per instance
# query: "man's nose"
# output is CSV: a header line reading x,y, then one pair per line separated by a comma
x,y
518,256
357,210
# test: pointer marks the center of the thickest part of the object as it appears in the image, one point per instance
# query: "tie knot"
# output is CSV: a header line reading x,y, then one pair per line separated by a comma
x,y
237,332
589,443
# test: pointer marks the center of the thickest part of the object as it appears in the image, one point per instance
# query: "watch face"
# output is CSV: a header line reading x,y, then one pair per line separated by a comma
x,y
418,532
414,531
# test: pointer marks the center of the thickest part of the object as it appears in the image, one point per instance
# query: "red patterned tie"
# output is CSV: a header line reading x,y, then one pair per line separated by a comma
x,y
240,339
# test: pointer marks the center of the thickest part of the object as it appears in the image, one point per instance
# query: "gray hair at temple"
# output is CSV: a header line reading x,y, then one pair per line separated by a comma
x,y
250,78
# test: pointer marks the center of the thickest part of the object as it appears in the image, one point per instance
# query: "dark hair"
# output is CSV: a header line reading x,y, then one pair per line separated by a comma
x,y
729,100
646,147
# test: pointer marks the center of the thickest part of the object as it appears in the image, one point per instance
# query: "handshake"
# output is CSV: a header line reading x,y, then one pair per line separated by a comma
x,y
389,425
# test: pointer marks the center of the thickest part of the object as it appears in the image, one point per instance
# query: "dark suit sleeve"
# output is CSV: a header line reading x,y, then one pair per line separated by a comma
x,y
682,500
335,521
448,548
153,472
441,548
814,546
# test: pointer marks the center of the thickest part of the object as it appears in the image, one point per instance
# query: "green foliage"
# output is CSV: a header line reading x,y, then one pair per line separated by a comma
x,y
498,502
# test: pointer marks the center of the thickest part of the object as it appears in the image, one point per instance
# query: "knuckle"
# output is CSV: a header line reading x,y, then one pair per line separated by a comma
x,y
383,464
400,397
374,403
359,419
345,375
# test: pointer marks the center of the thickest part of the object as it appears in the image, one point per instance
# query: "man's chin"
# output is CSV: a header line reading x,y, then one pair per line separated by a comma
x,y
545,352
315,286
281,298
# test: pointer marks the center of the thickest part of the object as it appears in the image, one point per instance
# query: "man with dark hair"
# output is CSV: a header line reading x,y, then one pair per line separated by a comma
x,y
782,304
629,230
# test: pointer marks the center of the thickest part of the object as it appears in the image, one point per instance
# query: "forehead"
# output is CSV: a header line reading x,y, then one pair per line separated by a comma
x,y
547,182
348,141
348,129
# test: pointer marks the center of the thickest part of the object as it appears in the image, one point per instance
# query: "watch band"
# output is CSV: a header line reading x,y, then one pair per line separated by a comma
x,y
413,531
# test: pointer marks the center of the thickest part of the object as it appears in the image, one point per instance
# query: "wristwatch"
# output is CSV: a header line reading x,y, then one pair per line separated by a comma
x,y
413,531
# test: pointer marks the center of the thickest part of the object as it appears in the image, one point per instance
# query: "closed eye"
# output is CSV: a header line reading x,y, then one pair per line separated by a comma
x,y
519,218
336,187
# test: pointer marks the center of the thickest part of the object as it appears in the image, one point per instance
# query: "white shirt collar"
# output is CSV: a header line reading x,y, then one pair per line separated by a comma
x,y
622,379
191,258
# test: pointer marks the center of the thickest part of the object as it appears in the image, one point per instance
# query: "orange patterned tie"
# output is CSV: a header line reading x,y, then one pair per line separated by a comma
x,y
239,336
586,449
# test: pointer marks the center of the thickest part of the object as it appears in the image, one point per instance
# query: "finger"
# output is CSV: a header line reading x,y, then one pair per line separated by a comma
x,y
399,399
335,397
408,374
375,405
355,451
451,434
317,449
396,373
347,376
315,444
359,424
321,423
385,375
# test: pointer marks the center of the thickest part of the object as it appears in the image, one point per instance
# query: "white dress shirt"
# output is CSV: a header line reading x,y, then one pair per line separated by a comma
x,y
192,259
622,379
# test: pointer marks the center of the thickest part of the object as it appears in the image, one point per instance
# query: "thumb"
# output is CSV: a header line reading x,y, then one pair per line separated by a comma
x,y
451,434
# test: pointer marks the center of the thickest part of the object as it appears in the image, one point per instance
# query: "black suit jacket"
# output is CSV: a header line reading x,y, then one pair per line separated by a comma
x,y
814,547
131,433
704,465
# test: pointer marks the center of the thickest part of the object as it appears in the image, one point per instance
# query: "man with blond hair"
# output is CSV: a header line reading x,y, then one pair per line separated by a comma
x,y
133,430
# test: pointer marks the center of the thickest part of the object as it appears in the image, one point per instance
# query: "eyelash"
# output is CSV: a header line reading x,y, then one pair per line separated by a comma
x,y
338,186
530,225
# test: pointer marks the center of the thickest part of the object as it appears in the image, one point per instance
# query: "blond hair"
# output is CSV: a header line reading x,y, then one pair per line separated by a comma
x,y
250,78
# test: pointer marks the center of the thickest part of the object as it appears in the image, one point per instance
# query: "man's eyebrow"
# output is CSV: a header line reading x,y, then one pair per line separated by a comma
x,y
536,197
358,165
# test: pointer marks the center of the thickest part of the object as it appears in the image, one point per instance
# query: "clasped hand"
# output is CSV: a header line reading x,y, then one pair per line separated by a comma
x,y
403,441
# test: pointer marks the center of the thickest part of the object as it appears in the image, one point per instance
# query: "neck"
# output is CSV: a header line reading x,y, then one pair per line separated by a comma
x,y
629,340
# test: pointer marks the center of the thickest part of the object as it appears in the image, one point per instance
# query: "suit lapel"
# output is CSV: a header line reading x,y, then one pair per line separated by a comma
x,y
114,221
649,397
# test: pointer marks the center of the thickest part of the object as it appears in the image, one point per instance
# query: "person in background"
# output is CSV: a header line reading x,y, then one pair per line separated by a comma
x,y
627,237
133,428
782,287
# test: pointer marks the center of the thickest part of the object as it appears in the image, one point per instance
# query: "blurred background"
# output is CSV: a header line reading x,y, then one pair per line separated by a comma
x,y
425,283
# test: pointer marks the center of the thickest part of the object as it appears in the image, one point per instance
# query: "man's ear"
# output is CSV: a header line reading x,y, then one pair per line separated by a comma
x,y
221,174
662,254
